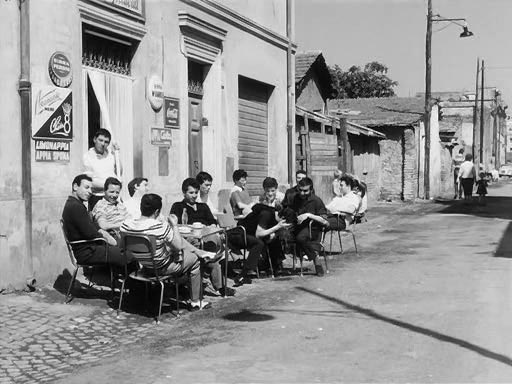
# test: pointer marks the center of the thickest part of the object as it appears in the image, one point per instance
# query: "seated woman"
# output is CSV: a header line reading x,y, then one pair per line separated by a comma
x,y
345,205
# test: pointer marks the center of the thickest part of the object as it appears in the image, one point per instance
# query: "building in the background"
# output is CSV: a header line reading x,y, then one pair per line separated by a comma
x,y
183,85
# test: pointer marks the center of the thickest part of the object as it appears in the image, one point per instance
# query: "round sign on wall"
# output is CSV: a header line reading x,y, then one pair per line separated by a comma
x,y
59,68
155,92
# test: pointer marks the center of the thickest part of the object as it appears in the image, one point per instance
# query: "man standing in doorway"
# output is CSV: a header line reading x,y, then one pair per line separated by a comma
x,y
100,163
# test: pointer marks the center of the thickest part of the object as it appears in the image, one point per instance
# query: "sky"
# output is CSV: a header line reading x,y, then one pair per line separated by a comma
x,y
355,32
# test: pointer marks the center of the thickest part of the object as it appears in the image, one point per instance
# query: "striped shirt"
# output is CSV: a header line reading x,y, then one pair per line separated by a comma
x,y
163,234
111,213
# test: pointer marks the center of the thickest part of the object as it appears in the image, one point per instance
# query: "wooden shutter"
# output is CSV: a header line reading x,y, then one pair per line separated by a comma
x,y
253,132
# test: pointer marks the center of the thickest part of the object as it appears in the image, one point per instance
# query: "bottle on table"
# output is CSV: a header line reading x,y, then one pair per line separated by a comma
x,y
184,217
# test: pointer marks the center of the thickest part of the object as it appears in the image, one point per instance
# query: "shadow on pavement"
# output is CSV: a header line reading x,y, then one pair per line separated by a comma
x,y
414,328
495,207
246,315
85,291
505,246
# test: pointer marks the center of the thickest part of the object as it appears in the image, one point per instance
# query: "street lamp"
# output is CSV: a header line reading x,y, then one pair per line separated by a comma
x,y
428,84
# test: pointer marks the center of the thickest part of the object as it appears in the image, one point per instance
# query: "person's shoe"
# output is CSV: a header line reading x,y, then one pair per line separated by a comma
x,y
198,305
319,270
227,291
241,280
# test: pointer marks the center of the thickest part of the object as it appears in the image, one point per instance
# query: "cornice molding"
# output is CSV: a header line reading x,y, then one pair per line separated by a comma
x,y
226,14
194,23
109,21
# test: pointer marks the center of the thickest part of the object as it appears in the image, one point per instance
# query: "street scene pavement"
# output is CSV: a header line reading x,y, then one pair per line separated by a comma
x,y
427,299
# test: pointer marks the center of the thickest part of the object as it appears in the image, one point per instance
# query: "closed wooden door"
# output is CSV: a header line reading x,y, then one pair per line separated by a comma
x,y
195,135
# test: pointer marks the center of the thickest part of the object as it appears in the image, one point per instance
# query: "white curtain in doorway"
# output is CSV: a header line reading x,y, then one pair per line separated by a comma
x,y
114,95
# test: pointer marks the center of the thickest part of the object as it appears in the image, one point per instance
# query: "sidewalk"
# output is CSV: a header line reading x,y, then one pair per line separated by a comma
x,y
43,340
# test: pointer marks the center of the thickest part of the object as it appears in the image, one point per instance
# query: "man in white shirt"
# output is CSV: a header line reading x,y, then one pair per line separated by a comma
x,y
137,188
345,205
205,181
99,164
467,176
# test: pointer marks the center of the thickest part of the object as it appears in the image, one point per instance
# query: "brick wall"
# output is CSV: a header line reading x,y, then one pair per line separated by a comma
x,y
410,169
391,156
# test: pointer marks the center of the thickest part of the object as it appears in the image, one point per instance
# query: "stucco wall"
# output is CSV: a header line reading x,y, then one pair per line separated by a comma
x,y
391,159
160,52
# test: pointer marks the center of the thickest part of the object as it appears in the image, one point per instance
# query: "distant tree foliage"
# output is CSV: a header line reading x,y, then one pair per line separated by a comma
x,y
372,81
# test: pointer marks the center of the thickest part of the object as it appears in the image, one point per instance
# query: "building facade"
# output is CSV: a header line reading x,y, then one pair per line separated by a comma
x,y
183,85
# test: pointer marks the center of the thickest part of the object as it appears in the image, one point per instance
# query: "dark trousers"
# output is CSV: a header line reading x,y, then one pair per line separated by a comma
x,y
467,186
95,255
254,245
309,244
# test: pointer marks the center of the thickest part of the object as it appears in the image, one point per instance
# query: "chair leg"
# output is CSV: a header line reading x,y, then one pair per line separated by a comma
x,y
112,287
68,298
330,243
161,301
294,255
355,245
270,263
176,285
322,250
301,261
341,244
121,297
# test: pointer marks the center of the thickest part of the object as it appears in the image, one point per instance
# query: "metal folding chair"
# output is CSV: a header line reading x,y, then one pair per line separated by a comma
x,y
297,253
354,219
144,246
76,265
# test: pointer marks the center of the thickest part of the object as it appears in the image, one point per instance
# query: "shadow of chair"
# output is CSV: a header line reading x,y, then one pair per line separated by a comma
x,y
142,248
77,266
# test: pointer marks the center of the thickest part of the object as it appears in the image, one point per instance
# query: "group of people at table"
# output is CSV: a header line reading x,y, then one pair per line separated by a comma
x,y
95,210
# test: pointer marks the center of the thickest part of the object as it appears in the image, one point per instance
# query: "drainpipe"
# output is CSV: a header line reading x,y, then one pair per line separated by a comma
x,y
290,94
24,89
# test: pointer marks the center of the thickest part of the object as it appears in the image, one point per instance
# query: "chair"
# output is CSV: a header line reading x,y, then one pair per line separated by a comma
x,y
296,254
69,245
354,219
143,247
227,221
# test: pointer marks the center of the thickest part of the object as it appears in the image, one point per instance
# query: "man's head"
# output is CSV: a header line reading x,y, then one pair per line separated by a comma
x,y
346,184
112,189
305,188
240,178
190,189
468,157
461,151
299,175
270,188
205,181
139,185
150,205
101,140
81,187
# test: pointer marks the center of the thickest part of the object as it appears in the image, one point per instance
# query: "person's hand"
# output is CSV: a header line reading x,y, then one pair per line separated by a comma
x,y
173,220
283,224
247,210
115,146
301,218
108,237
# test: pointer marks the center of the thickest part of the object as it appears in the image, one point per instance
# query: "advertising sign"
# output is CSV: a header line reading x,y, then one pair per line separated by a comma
x,y
155,92
52,151
161,137
52,115
134,6
59,68
171,112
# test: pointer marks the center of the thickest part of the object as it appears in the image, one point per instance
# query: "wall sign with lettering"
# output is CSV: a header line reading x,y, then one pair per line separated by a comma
x,y
171,112
52,151
52,113
155,92
59,68
161,137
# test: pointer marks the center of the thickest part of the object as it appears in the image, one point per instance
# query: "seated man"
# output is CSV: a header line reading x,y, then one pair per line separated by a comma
x,y
137,188
290,193
345,205
79,226
196,212
271,196
174,255
261,227
239,198
205,181
109,212
309,207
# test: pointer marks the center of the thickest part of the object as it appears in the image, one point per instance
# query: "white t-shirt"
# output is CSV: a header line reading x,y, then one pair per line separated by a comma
x,y
99,167
132,205
348,203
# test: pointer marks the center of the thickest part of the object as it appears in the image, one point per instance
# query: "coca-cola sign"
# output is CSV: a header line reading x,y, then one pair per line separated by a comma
x,y
59,68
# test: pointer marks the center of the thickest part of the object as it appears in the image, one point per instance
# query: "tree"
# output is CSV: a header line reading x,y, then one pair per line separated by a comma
x,y
372,81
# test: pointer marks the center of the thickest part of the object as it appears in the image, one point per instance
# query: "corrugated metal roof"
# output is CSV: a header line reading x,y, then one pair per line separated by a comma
x,y
381,111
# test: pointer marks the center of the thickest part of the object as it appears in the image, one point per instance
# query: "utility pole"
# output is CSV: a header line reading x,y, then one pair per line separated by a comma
x,y
475,110
428,96
481,160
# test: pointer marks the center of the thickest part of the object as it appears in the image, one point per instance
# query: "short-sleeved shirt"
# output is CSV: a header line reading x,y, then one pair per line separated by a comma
x,y
132,205
209,203
200,213
110,212
163,234
261,215
348,203
99,167
239,195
